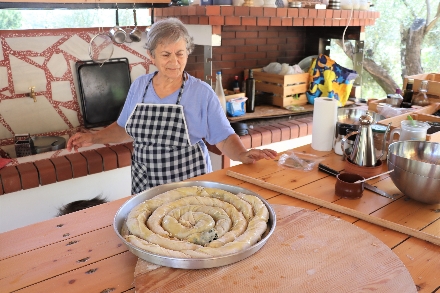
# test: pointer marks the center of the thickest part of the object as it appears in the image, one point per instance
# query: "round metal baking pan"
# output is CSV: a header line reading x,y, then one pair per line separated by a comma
x,y
44,144
190,263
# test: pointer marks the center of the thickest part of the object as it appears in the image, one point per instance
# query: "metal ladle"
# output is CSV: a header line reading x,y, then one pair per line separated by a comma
x,y
135,34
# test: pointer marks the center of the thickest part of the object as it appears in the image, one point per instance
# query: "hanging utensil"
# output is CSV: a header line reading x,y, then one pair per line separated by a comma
x,y
101,45
117,34
135,34
127,29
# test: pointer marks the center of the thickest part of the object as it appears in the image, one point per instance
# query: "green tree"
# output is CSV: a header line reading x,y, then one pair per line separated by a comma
x,y
404,41
10,19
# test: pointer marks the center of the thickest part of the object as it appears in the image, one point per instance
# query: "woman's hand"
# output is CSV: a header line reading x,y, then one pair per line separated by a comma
x,y
235,150
111,134
253,155
79,140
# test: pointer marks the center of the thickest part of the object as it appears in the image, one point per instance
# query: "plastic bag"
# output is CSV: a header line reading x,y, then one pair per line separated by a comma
x,y
283,69
273,67
389,111
235,107
299,161
294,108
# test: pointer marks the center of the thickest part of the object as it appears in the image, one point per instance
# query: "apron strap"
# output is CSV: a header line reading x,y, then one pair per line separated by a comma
x,y
179,97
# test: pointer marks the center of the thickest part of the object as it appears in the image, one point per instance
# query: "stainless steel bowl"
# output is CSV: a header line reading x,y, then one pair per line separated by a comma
x,y
193,263
416,167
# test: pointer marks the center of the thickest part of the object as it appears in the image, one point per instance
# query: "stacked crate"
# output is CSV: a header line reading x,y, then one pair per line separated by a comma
x,y
286,90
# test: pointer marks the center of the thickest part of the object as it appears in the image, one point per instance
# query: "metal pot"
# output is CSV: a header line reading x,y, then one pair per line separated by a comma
x,y
135,34
117,34
394,100
42,144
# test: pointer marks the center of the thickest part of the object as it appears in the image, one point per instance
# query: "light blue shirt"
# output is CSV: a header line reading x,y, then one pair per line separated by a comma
x,y
203,113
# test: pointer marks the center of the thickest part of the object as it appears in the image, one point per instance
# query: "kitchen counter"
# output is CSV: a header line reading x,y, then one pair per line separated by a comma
x,y
80,252
55,166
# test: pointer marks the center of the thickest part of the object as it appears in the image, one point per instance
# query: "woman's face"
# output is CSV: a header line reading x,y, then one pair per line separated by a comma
x,y
170,59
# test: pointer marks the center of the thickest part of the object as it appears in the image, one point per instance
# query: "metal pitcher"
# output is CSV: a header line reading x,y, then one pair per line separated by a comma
x,y
363,148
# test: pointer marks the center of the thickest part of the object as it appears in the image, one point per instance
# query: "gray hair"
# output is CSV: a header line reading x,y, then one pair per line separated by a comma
x,y
168,31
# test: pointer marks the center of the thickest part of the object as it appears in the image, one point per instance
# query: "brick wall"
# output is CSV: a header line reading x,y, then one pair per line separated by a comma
x,y
245,47
255,36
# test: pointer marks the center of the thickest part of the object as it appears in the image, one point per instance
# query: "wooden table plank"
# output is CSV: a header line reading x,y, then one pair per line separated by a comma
x,y
27,248
114,274
290,201
59,258
422,259
409,212
340,208
390,237
434,228
304,255
57,229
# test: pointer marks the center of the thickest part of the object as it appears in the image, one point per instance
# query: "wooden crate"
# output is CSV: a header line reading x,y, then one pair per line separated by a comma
x,y
231,95
422,114
372,105
286,89
433,84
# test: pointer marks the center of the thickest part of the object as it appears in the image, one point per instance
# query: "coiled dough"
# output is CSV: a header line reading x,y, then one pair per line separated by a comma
x,y
197,222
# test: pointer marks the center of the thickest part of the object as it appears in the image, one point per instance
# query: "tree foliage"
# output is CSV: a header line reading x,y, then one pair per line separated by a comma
x,y
105,18
10,19
404,41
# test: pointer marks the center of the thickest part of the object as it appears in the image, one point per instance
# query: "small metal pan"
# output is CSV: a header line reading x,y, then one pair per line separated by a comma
x,y
136,34
193,263
117,34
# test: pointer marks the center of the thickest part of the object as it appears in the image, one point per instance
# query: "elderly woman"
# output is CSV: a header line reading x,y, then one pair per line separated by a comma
x,y
167,113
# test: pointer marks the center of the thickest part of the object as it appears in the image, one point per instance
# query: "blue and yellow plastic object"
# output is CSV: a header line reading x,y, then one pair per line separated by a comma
x,y
329,79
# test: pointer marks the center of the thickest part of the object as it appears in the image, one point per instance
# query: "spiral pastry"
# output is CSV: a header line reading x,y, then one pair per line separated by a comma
x,y
197,222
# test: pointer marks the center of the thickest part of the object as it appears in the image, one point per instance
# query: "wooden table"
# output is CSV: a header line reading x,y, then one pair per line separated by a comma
x,y
80,252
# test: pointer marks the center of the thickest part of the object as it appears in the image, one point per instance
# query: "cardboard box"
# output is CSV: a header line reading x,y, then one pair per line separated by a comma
x,y
372,105
286,89
433,84
422,114
231,95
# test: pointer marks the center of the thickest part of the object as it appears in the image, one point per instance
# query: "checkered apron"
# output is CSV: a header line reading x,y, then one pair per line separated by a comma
x,y
162,149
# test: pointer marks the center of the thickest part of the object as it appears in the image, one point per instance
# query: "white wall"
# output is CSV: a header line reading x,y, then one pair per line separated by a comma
x,y
25,207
